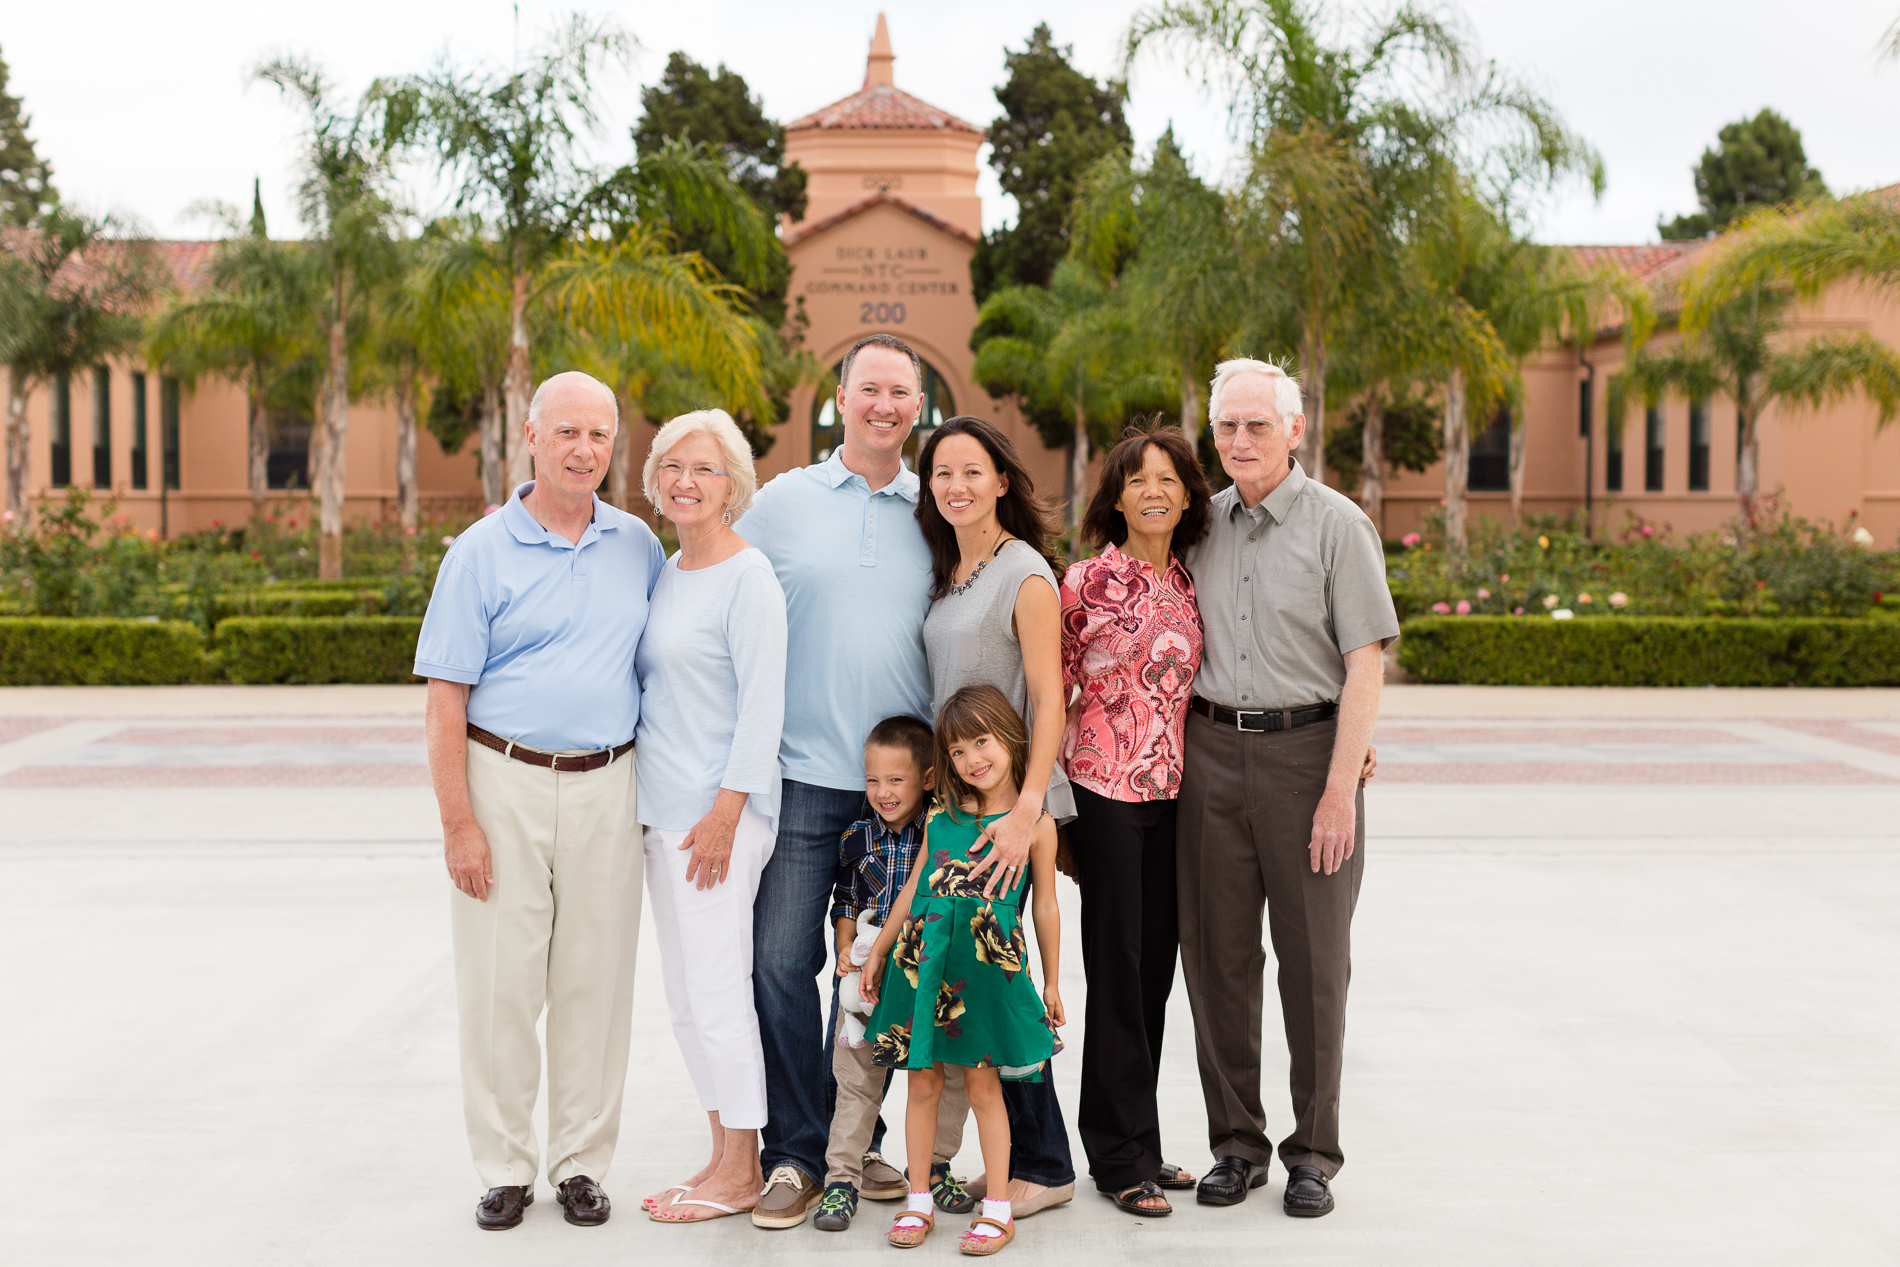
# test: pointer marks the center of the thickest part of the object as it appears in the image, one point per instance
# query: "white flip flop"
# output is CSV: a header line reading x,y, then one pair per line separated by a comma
x,y
676,1189
724,1210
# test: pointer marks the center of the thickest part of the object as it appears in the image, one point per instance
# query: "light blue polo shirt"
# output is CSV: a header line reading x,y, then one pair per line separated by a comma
x,y
856,576
544,629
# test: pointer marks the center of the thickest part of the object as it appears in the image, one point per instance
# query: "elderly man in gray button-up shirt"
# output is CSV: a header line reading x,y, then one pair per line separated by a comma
x,y
1291,585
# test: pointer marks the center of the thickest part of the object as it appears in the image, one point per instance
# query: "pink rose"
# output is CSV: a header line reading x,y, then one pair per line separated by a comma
x,y
1483,593
1409,539
1443,609
1464,607
1648,531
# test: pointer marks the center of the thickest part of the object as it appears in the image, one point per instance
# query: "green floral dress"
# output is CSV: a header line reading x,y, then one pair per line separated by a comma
x,y
957,990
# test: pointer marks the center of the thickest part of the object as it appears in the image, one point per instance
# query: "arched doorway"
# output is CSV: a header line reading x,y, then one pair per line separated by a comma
x,y
827,432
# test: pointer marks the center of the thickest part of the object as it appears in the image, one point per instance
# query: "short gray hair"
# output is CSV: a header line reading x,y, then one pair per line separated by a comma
x,y
735,456
1286,387
554,382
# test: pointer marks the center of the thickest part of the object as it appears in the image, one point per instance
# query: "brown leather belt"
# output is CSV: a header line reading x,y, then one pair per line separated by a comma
x,y
1263,719
559,763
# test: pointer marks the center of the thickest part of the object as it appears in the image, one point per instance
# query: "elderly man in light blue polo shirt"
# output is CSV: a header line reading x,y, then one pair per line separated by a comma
x,y
842,536
528,646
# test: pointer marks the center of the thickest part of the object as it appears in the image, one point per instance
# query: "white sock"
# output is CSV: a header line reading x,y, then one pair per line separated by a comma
x,y
920,1205
998,1210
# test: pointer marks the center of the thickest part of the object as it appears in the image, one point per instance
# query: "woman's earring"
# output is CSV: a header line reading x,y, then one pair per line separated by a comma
x,y
726,518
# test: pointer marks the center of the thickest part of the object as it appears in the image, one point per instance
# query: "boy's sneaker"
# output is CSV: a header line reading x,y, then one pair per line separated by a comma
x,y
950,1194
836,1207
882,1181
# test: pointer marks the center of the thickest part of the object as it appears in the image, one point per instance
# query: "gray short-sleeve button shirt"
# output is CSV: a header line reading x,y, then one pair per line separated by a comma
x,y
1286,589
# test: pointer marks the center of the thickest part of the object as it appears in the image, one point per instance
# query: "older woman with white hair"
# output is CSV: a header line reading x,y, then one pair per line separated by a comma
x,y
712,697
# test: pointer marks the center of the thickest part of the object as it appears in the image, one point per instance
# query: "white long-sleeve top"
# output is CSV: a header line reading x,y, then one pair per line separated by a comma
x,y
712,691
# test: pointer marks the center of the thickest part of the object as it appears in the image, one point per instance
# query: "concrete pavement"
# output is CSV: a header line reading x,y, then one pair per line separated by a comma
x,y
1625,976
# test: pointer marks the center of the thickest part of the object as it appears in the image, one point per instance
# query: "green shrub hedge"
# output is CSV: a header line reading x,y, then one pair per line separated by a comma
x,y
298,600
65,651
1652,651
319,649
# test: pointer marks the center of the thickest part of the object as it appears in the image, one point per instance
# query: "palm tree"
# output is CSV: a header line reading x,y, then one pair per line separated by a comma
x,y
509,143
251,324
461,282
342,197
400,322
1185,276
72,294
1336,124
1074,355
1810,249
1742,350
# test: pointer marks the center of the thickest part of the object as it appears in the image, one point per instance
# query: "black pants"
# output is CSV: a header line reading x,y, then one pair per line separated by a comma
x,y
1130,934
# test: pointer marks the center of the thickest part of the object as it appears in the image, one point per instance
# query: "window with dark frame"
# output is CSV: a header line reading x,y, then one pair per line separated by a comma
x,y
168,429
1613,457
1653,449
138,431
1699,446
102,427
62,431
1491,456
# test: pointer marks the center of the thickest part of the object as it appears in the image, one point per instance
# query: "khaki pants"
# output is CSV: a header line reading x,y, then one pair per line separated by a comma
x,y
559,930
861,1096
1245,824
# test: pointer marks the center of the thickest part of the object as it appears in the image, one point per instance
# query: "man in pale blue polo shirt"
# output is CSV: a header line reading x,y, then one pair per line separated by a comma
x,y
842,536
528,646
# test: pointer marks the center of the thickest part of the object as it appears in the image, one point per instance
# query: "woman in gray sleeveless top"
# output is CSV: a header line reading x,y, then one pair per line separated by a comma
x,y
996,618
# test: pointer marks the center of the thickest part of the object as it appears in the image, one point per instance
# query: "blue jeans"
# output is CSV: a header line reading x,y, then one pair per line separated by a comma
x,y
1038,1138
790,947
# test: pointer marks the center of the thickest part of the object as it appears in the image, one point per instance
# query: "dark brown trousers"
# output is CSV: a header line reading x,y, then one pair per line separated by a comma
x,y
1246,829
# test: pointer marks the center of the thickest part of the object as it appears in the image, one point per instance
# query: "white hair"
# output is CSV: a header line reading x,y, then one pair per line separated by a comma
x,y
1286,387
554,382
735,456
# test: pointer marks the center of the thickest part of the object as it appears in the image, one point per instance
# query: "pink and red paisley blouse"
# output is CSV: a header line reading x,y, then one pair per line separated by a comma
x,y
1132,642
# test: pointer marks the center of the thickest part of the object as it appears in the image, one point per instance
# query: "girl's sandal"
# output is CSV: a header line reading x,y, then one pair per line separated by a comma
x,y
977,1245
910,1237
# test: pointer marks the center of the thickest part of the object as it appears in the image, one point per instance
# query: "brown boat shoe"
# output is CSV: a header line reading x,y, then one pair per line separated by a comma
x,y
789,1196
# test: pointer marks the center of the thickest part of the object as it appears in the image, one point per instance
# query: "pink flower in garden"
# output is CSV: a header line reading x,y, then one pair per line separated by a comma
x,y
1648,531
1464,607
1551,600
217,523
6,518
1517,611
1584,598
1504,578
270,519
1409,539
1443,609
1619,599
1483,592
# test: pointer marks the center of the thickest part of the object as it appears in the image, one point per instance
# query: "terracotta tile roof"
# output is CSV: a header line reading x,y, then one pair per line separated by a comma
x,y
805,229
189,263
882,106
1638,261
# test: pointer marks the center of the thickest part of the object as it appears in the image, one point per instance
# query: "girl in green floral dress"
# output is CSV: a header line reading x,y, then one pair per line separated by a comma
x,y
959,990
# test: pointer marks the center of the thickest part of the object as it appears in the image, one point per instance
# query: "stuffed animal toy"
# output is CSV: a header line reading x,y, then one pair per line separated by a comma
x,y
856,1010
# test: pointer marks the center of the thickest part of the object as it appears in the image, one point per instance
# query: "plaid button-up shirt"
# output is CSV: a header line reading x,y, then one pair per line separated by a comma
x,y
873,863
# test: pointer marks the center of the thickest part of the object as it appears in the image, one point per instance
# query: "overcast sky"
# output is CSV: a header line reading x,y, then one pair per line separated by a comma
x,y
148,108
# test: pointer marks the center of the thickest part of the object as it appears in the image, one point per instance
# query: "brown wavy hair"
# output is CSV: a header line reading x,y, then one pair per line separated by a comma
x,y
969,712
1104,524
1018,510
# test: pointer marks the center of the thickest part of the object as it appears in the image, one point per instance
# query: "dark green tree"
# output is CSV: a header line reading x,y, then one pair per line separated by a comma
x,y
718,109
1056,123
26,179
1755,162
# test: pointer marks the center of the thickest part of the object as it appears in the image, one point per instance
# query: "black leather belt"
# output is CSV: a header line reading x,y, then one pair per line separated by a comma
x,y
1261,720
558,762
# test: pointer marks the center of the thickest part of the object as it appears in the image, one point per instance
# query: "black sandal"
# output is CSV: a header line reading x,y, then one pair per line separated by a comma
x,y
1176,1178
1130,1199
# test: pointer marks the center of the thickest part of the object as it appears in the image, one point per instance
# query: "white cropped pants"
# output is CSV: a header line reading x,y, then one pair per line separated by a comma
x,y
705,938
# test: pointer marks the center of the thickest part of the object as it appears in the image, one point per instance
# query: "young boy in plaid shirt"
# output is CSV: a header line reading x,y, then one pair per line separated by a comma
x,y
874,859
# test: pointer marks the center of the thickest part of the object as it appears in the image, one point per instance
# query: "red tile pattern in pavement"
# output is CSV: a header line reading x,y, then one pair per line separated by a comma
x,y
1402,732
213,776
165,736
1848,732
1594,772
12,728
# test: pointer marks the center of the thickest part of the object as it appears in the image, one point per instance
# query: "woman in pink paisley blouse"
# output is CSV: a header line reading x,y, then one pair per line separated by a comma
x,y
1131,640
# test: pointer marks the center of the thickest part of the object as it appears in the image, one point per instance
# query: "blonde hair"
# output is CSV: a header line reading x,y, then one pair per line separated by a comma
x,y
735,456
1286,388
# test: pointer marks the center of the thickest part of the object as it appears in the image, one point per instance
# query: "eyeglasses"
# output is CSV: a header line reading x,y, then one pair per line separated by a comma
x,y
1257,428
675,470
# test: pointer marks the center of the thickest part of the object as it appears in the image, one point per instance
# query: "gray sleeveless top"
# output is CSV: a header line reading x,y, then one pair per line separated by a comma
x,y
969,640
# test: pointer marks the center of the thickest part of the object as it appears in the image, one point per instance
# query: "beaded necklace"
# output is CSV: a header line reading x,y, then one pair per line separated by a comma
x,y
1004,540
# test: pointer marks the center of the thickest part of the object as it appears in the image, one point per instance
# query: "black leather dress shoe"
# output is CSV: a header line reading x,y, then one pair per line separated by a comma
x,y
1229,1181
1308,1195
584,1204
501,1208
